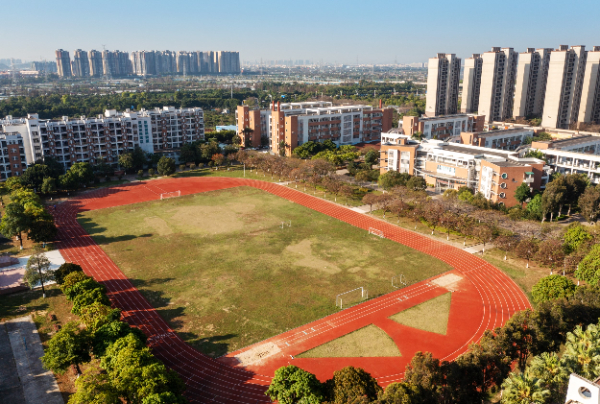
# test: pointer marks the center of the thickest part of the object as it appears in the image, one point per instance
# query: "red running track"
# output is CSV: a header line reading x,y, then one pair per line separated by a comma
x,y
485,298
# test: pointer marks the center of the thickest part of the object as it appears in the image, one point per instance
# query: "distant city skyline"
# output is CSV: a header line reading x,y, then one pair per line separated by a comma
x,y
333,31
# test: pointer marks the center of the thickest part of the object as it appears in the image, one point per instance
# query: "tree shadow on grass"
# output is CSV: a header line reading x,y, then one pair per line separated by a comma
x,y
214,346
95,231
20,304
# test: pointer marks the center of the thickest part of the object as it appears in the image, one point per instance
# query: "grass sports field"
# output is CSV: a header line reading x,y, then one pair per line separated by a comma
x,y
219,267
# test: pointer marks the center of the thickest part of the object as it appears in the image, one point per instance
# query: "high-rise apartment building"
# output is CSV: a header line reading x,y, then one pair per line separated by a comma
x,y
530,87
44,66
63,63
442,85
81,65
96,67
497,84
564,87
589,110
471,84
227,62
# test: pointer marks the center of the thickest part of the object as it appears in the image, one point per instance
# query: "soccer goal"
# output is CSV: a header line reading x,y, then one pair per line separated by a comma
x,y
399,281
167,195
351,297
376,232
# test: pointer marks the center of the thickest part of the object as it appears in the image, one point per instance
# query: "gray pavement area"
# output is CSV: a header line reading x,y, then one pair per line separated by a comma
x,y
23,379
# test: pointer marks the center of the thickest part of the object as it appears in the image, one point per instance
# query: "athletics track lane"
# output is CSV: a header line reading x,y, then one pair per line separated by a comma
x,y
485,299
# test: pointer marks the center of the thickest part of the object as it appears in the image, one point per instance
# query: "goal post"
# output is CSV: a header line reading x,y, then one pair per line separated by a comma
x,y
351,297
167,195
399,281
376,232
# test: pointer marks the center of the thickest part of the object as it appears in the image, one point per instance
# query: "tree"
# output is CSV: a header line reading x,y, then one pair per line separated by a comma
x,y
69,346
534,208
582,351
589,204
34,176
521,389
350,384
526,249
293,385
38,271
416,184
433,213
48,185
589,267
82,174
362,176
166,166
218,159
87,298
425,373
522,193
71,279
188,153
576,236
207,150
393,179
553,198
94,386
506,243
110,332
370,199
97,314
401,393
553,287
333,184
15,222
550,253
371,157
126,161
71,290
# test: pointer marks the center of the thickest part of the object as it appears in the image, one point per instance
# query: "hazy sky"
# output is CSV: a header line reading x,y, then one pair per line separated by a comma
x,y
330,30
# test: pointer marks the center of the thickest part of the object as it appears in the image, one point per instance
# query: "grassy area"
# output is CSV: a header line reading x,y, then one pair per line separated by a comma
x,y
369,341
47,313
431,315
219,267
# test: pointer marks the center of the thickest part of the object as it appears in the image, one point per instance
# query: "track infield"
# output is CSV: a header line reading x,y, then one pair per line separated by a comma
x,y
482,297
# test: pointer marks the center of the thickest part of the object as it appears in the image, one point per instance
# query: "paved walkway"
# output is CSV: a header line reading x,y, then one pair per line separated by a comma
x,y
23,379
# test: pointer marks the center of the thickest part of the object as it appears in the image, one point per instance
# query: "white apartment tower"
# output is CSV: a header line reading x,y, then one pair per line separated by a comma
x,y
497,84
530,88
589,110
442,85
564,88
63,63
81,65
471,84
96,67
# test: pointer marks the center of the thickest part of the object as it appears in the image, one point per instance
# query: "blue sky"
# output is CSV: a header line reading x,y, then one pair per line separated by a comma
x,y
329,30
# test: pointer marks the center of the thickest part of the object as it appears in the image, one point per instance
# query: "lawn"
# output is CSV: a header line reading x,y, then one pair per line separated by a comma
x,y
223,272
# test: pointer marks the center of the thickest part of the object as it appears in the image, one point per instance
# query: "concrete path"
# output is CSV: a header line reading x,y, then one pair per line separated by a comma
x,y
38,384
10,385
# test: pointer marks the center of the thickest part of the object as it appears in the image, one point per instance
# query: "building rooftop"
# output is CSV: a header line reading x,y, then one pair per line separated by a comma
x,y
442,118
559,144
502,132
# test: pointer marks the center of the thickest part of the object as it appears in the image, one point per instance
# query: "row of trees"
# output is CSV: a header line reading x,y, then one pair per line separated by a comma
x,y
119,366
522,357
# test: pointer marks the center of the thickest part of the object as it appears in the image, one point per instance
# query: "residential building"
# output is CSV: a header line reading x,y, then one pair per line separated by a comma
x,y
63,63
48,67
496,174
95,62
12,155
81,65
471,84
564,88
442,127
580,144
582,391
71,140
227,62
530,87
568,162
503,139
497,84
589,110
442,85
252,125
293,124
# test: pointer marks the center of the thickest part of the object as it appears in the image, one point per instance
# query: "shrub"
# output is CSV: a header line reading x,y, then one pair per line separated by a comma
x,y
553,287
589,267
72,279
64,270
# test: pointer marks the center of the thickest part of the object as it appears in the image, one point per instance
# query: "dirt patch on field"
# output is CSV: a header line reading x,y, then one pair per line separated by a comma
x,y
158,225
370,341
308,260
450,281
213,219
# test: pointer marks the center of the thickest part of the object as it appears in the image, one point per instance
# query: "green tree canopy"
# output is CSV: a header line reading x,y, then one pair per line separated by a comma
x,y
38,271
292,385
416,184
392,179
108,333
166,166
64,270
589,204
522,193
69,346
350,384
553,287
589,267
575,236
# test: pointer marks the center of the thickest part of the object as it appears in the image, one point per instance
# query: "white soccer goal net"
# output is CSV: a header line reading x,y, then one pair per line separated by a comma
x,y
351,297
399,281
376,232
167,195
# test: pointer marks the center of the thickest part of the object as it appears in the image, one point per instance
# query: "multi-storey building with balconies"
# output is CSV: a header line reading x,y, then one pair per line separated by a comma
x,y
530,87
497,84
471,84
73,140
12,155
442,85
442,127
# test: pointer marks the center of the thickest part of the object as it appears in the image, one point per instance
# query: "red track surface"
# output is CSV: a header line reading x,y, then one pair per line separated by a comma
x,y
484,299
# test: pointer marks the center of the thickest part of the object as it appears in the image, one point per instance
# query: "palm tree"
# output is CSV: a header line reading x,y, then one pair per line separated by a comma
x,y
582,351
521,389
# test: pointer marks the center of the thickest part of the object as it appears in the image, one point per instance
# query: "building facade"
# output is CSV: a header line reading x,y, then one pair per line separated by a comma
x,y
496,174
95,61
530,86
564,88
72,140
497,84
503,139
442,127
81,64
471,84
63,63
442,85
589,110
